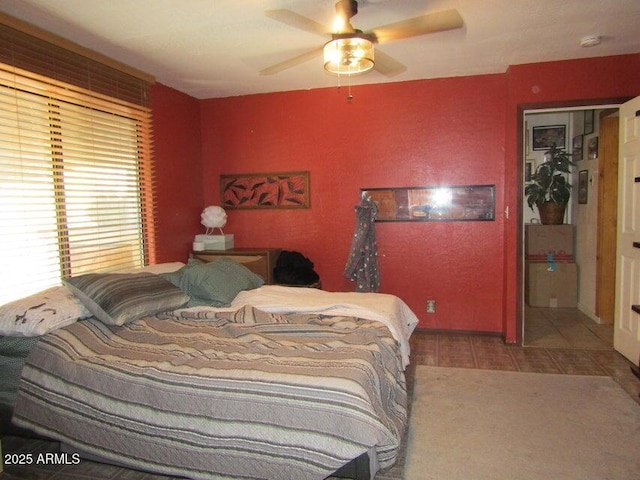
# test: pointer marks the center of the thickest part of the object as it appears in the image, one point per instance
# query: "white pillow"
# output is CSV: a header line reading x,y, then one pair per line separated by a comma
x,y
41,313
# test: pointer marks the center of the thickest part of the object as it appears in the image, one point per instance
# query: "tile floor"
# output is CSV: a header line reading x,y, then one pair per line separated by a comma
x,y
559,341
565,328
562,341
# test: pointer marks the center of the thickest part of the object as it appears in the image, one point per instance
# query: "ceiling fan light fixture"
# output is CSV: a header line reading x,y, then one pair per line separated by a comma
x,y
348,56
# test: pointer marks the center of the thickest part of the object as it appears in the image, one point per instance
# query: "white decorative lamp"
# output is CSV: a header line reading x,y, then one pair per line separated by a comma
x,y
213,218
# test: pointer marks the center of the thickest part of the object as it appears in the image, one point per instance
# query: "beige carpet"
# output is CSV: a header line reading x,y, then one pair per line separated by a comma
x,y
486,425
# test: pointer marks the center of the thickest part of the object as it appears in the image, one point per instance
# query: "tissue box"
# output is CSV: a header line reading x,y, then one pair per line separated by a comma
x,y
216,242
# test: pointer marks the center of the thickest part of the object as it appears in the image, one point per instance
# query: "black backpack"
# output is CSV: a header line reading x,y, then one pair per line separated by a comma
x,y
293,268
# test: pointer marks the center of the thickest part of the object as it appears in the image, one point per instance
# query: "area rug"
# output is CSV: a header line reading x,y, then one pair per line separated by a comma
x,y
491,425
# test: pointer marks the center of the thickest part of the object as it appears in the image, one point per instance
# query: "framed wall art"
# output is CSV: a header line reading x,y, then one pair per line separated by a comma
x,y
528,169
588,122
583,186
577,147
543,138
433,204
265,190
593,148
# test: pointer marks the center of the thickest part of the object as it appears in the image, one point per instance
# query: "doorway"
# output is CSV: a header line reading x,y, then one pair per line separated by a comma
x,y
589,134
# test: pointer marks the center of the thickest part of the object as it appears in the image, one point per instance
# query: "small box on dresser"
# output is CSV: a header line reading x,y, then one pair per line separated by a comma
x,y
215,242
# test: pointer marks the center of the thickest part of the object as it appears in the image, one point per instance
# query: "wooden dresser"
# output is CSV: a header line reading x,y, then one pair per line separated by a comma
x,y
261,261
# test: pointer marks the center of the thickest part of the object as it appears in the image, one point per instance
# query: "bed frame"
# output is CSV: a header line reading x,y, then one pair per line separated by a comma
x,y
358,469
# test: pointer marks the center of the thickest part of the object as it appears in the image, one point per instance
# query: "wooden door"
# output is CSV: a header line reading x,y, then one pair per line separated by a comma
x,y
607,215
626,336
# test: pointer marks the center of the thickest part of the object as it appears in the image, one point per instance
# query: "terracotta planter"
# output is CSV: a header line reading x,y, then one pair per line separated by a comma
x,y
551,213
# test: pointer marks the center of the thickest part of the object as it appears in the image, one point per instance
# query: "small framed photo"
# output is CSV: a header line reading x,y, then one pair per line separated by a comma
x,y
577,147
546,137
588,122
583,186
528,169
593,148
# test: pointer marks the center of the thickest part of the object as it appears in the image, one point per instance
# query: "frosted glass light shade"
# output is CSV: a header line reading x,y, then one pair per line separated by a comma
x,y
348,56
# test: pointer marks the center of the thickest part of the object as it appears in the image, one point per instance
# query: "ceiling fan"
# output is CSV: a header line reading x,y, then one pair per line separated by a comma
x,y
351,41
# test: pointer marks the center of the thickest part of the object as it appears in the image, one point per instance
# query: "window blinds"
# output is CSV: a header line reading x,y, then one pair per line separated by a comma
x,y
27,47
76,189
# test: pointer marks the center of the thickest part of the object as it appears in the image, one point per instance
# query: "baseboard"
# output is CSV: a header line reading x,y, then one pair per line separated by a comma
x,y
589,313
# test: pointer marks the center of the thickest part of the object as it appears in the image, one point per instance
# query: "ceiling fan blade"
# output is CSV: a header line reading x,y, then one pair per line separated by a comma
x,y
387,65
298,21
292,62
429,23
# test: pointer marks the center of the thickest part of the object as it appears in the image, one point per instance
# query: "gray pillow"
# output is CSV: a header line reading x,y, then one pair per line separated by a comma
x,y
118,298
216,283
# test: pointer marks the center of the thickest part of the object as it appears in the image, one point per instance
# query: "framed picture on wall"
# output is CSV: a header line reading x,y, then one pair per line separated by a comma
x,y
528,169
593,148
265,190
433,204
577,147
583,186
588,122
543,138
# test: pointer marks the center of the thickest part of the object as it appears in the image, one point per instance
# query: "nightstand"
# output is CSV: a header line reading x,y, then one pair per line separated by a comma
x,y
261,261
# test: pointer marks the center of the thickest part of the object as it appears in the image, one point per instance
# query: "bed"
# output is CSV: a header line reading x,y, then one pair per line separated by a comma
x,y
264,381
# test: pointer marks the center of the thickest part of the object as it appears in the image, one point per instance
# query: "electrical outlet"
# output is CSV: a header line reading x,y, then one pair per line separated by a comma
x,y
431,306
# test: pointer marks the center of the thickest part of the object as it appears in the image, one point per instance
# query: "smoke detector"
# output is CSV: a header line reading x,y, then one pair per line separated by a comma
x,y
590,41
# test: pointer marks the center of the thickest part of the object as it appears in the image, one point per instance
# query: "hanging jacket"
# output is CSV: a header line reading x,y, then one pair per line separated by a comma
x,y
362,265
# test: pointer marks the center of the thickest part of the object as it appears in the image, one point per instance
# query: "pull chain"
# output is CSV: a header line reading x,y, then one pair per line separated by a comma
x,y
349,95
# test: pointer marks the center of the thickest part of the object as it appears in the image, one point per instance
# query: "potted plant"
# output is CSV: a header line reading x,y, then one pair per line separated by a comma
x,y
550,189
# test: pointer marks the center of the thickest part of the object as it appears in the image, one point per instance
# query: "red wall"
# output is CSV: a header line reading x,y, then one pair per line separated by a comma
x,y
586,82
432,132
438,132
178,160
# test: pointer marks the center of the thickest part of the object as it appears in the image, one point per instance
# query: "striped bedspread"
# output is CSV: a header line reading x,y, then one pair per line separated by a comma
x,y
244,394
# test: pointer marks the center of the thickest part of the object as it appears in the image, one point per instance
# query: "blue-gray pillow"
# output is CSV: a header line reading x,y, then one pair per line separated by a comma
x,y
118,298
216,283
175,277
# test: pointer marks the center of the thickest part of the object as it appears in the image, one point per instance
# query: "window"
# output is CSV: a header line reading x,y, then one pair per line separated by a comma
x,y
75,183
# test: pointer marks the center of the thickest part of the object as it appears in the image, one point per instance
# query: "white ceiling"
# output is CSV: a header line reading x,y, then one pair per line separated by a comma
x,y
216,48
